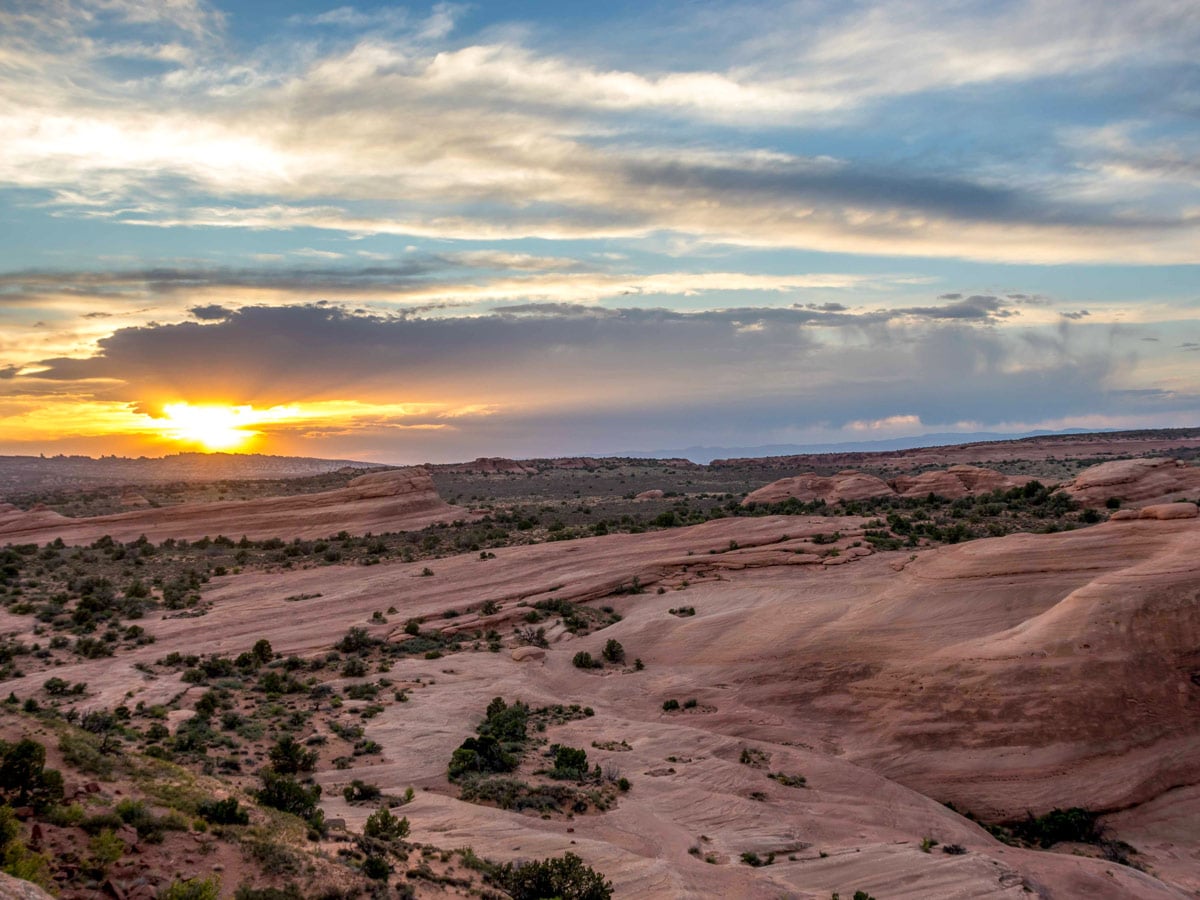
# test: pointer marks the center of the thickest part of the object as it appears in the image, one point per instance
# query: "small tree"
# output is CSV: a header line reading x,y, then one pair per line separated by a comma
x,y
288,795
613,652
569,762
262,651
384,826
288,757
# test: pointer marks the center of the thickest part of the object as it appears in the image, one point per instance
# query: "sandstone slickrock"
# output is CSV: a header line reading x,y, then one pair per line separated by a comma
x,y
957,481
1008,674
848,485
18,889
1135,481
954,482
379,501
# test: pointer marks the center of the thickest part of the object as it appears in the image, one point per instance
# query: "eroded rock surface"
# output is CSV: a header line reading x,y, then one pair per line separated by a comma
x,y
380,501
1138,482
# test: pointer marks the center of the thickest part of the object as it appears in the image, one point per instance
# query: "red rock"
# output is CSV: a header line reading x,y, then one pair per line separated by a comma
x,y
957,481
847,485
1170,511
1135,481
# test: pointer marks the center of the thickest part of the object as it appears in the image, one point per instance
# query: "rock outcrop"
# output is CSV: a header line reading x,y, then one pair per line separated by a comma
x,y
1138,482
1159,511
957,481
398,499
18,889
954,482
490,465
848,485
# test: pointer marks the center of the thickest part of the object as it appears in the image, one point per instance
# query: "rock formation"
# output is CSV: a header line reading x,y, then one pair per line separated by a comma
x,y
954,482
1135,481
957,481
848,485
393,500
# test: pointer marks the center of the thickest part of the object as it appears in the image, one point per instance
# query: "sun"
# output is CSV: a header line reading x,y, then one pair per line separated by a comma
x,y
213,427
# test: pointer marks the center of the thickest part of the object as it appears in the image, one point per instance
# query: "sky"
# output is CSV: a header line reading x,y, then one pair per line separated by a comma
x,y
435,232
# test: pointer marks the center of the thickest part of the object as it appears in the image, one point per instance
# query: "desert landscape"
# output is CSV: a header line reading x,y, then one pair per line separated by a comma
x,y
517,450
924,683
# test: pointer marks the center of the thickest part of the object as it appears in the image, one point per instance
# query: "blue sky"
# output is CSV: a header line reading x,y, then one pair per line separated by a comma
x,y
623,225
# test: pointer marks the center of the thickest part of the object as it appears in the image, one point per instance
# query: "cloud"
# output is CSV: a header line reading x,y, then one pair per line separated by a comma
x,y
981,307
407,135
526,357
210,313
417,282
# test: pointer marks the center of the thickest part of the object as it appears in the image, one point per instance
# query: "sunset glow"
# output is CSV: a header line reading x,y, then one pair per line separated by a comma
x,y
213,427
450,230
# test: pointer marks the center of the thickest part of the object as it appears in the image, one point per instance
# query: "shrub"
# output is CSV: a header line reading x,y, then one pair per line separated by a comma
x,y
1074,824
105,849
566,877
670,705
384,826
613,652
193,889
358,791
569,762
288,795
24,778
223,812
583,660
288,757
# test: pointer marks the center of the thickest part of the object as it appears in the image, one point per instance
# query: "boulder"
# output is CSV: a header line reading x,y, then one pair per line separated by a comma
x,y
1170,511
528,654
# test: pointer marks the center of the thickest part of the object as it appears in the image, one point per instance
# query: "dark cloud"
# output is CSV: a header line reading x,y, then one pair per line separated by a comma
x,y
983,307
1080,314
552,371
210,313
7,372
97,315
950,296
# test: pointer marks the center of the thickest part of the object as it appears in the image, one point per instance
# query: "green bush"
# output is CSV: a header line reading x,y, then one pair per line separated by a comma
x,y
24,778
193,889
376,868
613,652
384,826
569,763
358,791
288,757
1074,824
566,878
223,812
288,795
